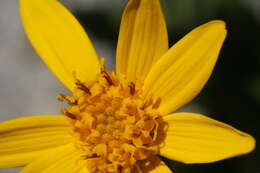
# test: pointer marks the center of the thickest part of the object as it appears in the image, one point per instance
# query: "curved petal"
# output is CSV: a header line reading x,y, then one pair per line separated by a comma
x,y
182,72
65,159
194,138
24,139
59,40
153,165
142,39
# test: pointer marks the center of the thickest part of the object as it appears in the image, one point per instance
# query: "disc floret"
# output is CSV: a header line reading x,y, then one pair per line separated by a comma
x,y
114,125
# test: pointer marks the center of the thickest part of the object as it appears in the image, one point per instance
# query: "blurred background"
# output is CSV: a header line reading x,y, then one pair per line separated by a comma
x,y
232,94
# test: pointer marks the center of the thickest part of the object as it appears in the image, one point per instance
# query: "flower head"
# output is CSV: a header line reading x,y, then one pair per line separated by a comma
x,y
120,121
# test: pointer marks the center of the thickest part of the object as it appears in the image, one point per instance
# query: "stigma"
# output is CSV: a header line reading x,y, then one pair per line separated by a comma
x,y
113,124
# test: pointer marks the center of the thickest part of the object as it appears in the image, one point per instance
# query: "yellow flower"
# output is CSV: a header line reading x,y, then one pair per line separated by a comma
x,y
117,122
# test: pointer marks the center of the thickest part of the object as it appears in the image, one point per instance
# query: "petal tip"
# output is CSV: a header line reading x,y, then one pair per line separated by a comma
x,y
250,144
220,24
247,143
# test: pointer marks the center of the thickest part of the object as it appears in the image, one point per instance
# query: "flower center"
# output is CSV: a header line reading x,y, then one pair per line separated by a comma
x,y
114,125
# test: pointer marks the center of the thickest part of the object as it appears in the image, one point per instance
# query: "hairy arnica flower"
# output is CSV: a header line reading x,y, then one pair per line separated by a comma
x,y
119,122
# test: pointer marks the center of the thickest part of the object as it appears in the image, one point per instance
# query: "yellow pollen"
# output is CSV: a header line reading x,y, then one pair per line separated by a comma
x,y
114,126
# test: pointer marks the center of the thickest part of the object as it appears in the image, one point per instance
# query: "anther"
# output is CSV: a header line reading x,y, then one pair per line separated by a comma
x,y
82,87
90,156
120,168
68,114
132,88
146,104
157,103
153,132
61,97
70,100
108,78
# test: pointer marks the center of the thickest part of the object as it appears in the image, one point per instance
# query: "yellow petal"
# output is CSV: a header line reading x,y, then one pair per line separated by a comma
x,y
24,139
84,170
194,138
65,159
182,72
153,165
59,40
142,39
